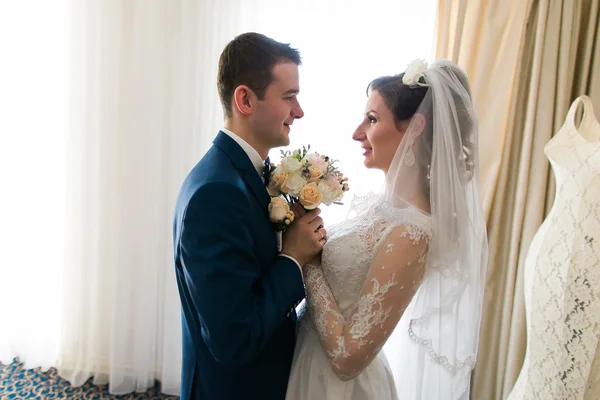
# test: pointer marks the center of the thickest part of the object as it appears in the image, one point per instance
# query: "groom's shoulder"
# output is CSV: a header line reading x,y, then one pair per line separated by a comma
x,y
215,166
214,171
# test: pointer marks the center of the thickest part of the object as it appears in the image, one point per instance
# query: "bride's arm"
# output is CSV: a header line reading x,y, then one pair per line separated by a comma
x,y
393,278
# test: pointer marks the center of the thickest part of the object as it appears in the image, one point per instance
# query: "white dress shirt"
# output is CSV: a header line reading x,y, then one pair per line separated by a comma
x,y
259,165
255,158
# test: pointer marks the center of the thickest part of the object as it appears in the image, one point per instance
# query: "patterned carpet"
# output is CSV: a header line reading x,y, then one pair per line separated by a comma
x,y
17,383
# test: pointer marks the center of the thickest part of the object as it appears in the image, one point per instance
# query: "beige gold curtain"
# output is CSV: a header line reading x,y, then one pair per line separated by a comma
x,y
527,61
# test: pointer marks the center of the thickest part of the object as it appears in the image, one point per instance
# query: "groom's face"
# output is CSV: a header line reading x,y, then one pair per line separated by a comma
x,y
276,112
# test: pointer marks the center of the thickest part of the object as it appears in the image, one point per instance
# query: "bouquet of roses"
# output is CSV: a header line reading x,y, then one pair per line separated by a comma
x,y
303,177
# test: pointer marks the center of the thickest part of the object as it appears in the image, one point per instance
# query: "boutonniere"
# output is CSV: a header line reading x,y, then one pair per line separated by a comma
x,y
280,213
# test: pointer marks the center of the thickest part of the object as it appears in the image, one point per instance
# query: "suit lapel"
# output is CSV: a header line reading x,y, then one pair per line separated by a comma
x,y
247,171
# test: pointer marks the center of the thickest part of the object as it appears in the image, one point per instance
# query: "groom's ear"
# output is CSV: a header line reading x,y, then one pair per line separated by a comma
x,y
244,99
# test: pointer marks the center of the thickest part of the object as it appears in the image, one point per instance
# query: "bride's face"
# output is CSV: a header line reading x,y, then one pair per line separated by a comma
x,y
378,134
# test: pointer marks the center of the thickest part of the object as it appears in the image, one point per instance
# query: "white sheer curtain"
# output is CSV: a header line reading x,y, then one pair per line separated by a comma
x,y
33,121
109,105
106,105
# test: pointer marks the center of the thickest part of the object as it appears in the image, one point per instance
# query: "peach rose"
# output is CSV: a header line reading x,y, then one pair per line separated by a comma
x,y
278,178
315,173
310,196
317,161
278,209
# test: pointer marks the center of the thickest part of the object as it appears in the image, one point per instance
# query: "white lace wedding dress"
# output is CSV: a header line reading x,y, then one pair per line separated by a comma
x,y
562,273
372,266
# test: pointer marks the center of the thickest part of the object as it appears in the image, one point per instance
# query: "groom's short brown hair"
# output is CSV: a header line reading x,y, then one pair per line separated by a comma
x,y
249,60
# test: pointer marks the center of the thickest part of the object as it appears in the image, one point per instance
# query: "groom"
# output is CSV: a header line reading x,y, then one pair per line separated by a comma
x,y
237,291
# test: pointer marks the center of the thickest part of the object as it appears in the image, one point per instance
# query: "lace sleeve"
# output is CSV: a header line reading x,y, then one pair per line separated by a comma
x,y
394,276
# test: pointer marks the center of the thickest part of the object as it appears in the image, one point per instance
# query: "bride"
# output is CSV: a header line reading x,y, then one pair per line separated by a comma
x,y
407,270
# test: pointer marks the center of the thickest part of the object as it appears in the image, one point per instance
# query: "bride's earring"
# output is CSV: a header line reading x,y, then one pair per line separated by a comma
x,y
409,157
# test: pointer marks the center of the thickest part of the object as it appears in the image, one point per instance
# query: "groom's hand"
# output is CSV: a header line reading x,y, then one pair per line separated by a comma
x,y
298,210
303,239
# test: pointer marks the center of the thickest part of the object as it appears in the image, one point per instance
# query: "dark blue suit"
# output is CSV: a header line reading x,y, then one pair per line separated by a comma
x,y
236,292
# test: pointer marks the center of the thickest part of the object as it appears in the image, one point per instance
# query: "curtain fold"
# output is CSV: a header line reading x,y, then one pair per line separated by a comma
x,y
527,62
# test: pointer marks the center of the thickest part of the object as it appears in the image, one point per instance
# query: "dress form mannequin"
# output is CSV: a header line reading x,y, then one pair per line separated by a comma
x,y
562,272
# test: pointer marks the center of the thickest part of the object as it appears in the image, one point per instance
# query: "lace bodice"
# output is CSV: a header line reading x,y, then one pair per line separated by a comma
x,y
562,277
371,267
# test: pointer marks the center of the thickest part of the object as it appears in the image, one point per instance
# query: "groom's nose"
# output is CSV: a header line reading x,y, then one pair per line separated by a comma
x,y
297,111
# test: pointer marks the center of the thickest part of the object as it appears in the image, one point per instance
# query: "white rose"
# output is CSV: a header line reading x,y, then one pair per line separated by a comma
x,y
278,209
414,71
294,183
327,192
331,190
291,164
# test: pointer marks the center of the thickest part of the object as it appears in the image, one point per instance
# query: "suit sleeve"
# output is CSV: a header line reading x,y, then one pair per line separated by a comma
x,y
239,308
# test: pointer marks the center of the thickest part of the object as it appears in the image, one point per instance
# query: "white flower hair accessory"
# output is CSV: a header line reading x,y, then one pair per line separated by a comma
x,y
415,72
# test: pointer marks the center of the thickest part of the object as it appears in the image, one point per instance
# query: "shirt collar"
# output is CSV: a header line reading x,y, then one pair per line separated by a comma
x,y
255,158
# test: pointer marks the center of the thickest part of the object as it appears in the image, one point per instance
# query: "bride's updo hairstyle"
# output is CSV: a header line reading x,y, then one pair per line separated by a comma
x,y
404,102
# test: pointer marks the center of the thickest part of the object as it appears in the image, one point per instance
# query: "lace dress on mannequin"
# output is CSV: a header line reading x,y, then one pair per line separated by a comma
x,y
562,273
372,266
